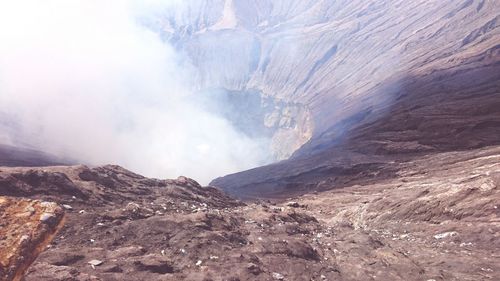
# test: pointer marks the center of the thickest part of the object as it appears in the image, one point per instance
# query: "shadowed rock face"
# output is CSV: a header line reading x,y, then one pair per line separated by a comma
x,y
434,114
384,81
329,55
285,126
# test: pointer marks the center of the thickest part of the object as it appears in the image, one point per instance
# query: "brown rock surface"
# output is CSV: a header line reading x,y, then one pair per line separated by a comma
x,y
26,228
437,219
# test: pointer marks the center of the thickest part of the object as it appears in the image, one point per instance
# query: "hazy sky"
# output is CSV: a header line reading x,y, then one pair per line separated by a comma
x,y
83,79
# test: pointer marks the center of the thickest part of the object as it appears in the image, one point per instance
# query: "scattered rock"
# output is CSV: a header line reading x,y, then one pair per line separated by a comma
x,y
67,207
278,276
95,262
249,241
445,235
254,269
293,204
47,217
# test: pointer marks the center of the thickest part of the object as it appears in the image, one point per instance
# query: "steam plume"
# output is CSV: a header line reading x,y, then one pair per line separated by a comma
x,y
85,80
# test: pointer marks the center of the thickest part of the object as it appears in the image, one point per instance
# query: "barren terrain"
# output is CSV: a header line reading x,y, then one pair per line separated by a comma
x,y
389,111
437,220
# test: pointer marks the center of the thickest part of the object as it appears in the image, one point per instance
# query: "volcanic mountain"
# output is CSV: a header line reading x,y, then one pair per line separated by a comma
x,y
381,81
384,121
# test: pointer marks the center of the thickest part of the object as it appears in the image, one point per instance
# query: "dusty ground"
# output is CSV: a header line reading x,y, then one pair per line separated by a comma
x,y
436,219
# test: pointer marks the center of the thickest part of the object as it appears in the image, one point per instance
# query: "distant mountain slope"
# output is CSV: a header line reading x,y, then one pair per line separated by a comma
x,y
383,80
25,157
444,111
336,57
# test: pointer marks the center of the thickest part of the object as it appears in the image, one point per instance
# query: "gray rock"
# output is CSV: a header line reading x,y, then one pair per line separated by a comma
x,y
95,262
47,217
278,276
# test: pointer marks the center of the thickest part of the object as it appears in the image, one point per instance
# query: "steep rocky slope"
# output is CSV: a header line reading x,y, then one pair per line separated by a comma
x,y
436,113
439,220
384,81
328,54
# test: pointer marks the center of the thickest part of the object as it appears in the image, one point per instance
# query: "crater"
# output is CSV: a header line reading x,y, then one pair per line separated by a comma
x,y
283,126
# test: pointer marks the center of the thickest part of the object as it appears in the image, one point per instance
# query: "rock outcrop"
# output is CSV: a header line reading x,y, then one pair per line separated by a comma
x,y
26,228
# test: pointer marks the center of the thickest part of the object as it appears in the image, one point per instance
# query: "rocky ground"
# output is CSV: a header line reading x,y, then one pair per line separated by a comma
x,y
436,219
399,179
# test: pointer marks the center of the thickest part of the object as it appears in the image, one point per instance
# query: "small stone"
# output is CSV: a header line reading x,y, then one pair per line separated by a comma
x,y
198,263
293,204
67,207
95,262
254,269
278,276
25,238
46,217
445,235
131,206
48,204
30,210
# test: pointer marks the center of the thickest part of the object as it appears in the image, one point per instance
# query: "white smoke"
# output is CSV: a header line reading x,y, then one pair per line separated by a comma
x,y
85,80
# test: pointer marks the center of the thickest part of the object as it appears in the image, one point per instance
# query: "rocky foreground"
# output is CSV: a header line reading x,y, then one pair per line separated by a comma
x,y
26,228
437,218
